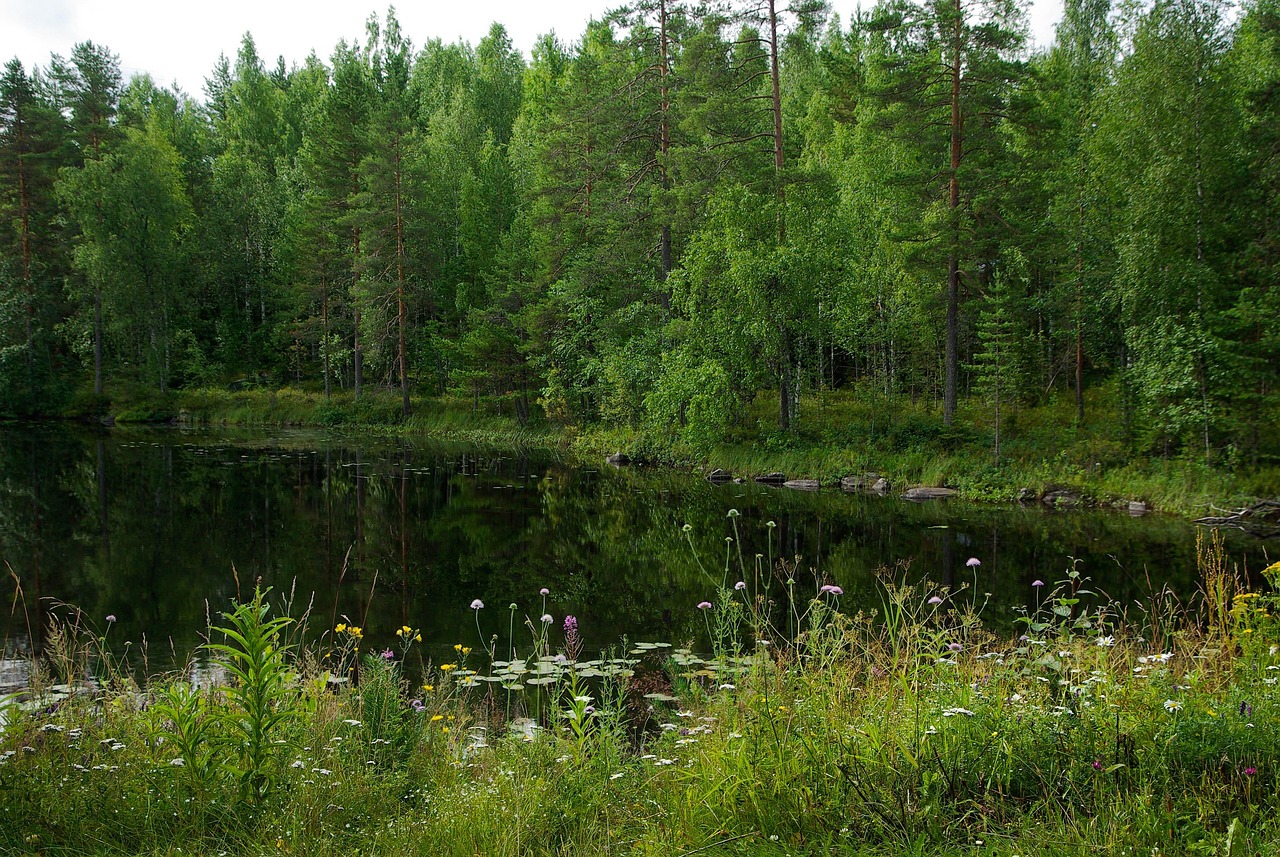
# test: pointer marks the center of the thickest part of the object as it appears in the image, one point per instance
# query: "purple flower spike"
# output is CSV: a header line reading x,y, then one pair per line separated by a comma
x,y
388,655
570,624
704,605
1037,583
973,562
830,590
935,600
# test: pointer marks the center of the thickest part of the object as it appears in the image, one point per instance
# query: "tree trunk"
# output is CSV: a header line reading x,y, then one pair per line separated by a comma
x,y
952,367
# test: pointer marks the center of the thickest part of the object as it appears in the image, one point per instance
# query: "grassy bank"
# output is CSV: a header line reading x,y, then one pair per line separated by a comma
x,y
1103,729
838,434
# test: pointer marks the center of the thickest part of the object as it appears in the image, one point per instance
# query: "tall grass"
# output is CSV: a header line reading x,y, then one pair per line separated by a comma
x,y
1099,728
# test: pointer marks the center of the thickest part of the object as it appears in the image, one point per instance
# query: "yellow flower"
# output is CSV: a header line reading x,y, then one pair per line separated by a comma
x,y
466,651
457,647
450,716
444,730
436,718
417,638
342,626
429,688
446,667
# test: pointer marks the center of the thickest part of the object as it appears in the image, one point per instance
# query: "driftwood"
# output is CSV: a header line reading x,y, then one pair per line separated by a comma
x,y
1261,519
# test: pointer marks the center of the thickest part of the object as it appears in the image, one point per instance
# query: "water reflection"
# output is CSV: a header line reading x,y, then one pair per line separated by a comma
x,y
161,528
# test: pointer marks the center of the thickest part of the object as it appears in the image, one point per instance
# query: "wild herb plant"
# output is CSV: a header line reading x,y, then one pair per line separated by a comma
x,y
263,691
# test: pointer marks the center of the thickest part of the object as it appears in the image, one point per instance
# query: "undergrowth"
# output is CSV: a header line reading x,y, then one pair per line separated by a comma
x,y
1100,728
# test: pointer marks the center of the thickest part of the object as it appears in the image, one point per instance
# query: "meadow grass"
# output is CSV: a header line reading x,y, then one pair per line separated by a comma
x,y
840,433
804,729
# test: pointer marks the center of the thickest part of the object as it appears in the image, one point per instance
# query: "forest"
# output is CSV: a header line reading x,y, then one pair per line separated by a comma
x,y
688,211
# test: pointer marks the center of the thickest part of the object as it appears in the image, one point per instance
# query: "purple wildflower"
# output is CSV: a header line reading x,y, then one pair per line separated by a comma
x,y
830,589
1097,764
1037,583
740,585
704,605
935,600
388,655
1250,771
477,604
572,641
1245,709
973,562
955,647
544,591
111,617
417,706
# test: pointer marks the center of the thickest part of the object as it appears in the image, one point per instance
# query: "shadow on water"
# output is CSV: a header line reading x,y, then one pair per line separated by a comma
x,y
147,525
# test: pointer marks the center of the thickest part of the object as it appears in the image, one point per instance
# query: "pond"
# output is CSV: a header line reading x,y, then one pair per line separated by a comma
x,y
160,528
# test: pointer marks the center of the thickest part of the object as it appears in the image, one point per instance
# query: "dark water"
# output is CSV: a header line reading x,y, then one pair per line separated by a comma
x,y
147,526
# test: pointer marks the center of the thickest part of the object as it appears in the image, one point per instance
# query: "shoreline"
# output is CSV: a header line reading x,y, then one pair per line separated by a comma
x,y
816,458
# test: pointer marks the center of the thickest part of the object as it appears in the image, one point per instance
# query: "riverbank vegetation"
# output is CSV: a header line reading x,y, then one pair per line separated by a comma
x,y
838,434
722,234
806,729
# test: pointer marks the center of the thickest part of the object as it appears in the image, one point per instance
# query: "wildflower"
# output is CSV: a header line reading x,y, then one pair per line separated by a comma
x,y
1106,642
1250,771
740,585
457,647
570,624
429,688
417,706
617,775
704,605
1172,705
544,591
1097,764
417,638
955,647
436,718
935,600
829,589
444,668
546,619
1245,709
466,650
341,627
973,562
111,617
477,604
177,762
444,730
388,655
1037,583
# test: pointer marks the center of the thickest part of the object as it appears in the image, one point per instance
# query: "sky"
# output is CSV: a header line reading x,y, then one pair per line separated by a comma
x,y
179,42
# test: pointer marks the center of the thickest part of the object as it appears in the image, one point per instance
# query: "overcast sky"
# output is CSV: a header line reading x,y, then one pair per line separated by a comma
x,y
180,41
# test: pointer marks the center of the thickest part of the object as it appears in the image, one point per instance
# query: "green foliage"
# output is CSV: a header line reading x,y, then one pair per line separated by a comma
x,y
262,707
